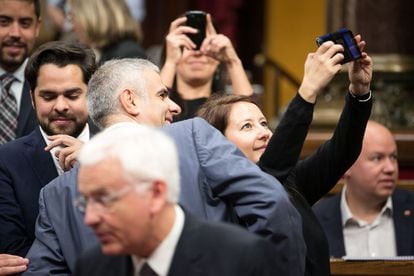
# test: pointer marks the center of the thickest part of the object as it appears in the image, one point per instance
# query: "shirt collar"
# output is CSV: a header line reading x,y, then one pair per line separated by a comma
x,y
19,73
160,259
347,215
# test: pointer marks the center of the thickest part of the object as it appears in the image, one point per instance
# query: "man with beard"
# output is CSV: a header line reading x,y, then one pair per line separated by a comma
x,y
58,74
19,28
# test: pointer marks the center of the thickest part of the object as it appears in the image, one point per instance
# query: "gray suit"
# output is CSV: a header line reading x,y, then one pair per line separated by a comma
x,y
217,183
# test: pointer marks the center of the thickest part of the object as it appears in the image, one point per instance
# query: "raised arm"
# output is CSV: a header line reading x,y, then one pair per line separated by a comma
x,y
219,47
333,158
283,150
174,42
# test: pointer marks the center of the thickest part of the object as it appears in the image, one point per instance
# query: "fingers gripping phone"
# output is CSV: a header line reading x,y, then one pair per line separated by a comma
x,y
197,20
346,39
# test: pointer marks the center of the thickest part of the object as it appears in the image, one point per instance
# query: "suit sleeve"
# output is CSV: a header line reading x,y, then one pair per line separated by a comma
x,y
284,148
258,199
318,173
14,236
45,255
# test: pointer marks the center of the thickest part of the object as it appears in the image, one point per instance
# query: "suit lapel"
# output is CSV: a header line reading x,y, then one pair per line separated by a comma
x,y
26,111
333,222
187,256
39,159
403,216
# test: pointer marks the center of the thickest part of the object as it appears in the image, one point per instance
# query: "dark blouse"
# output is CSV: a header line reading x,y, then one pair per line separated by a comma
x,y
310,179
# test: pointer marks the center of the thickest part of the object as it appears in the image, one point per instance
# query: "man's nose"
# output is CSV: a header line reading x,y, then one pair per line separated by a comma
x,y
61,104
174,108
15,30
390,165
91,215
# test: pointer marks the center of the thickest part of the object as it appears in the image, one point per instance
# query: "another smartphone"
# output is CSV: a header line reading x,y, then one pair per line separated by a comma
x,y
197,20
346,38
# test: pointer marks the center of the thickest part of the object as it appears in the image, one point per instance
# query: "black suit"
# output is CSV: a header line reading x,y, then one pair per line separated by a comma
x,y
204,248
26,121
25,168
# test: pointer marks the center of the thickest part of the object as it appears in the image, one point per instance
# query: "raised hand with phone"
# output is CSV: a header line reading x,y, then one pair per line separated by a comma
x,y
190,71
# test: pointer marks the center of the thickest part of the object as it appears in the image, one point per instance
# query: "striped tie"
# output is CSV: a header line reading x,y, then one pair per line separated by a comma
x,y
8,110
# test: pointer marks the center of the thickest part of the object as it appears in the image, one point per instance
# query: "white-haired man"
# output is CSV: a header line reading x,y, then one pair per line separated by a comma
x,y
129,181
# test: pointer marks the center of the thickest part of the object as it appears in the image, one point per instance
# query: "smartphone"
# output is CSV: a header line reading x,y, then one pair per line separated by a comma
x,y
197,20
346,38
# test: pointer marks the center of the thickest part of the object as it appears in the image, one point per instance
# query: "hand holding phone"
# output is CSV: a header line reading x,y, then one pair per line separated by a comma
x,y
197,20
346,39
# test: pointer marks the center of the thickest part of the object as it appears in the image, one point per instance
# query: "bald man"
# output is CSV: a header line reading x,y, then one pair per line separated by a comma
x,y
370,217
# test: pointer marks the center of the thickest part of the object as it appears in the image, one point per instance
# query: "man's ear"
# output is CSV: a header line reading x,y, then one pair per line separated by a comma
x,y
158,196
129,102
32,99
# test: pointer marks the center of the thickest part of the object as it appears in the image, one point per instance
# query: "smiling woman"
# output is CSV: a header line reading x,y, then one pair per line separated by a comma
x,y
240,119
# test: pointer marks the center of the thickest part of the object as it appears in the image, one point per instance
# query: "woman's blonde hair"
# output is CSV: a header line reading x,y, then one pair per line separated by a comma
x,y
105,21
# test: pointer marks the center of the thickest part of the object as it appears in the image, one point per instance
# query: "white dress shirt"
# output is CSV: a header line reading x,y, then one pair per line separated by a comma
x,y
363,239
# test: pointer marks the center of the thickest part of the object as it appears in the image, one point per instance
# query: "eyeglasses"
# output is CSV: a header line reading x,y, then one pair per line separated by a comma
x,y
100,202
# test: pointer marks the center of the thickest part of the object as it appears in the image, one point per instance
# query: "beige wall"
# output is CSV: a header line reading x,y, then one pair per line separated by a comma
x,y
291,29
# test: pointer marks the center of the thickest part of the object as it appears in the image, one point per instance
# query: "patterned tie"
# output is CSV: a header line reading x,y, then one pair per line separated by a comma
x,y
8,110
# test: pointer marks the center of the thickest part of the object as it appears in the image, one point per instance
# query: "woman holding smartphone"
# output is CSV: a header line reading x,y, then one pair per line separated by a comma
x,y
306,181
191,73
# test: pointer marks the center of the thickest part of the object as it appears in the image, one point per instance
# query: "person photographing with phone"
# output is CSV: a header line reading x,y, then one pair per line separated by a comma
x,y
190,69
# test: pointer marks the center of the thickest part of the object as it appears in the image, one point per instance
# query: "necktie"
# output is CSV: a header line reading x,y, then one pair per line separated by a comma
x,y
8,110
146,270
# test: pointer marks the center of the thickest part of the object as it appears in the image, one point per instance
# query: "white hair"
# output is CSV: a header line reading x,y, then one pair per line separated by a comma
x,y
145,153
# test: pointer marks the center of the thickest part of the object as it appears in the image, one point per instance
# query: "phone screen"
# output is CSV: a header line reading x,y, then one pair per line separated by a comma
x,y
346,39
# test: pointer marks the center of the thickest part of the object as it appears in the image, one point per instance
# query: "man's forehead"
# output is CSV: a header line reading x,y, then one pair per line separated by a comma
x,y
18,4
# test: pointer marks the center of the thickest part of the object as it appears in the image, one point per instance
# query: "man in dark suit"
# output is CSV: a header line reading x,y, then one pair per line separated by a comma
x,y
218,182
370,218
58,74
129,182
18,32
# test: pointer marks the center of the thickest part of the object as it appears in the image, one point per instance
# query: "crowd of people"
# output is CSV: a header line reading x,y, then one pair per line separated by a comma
x,y
110,165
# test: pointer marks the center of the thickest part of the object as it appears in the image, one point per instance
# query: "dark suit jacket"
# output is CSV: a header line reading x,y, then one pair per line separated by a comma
x,y
204,248
27,117
25,167
329,214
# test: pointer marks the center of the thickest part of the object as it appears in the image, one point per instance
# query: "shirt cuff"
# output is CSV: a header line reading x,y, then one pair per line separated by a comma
x,y
362,98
